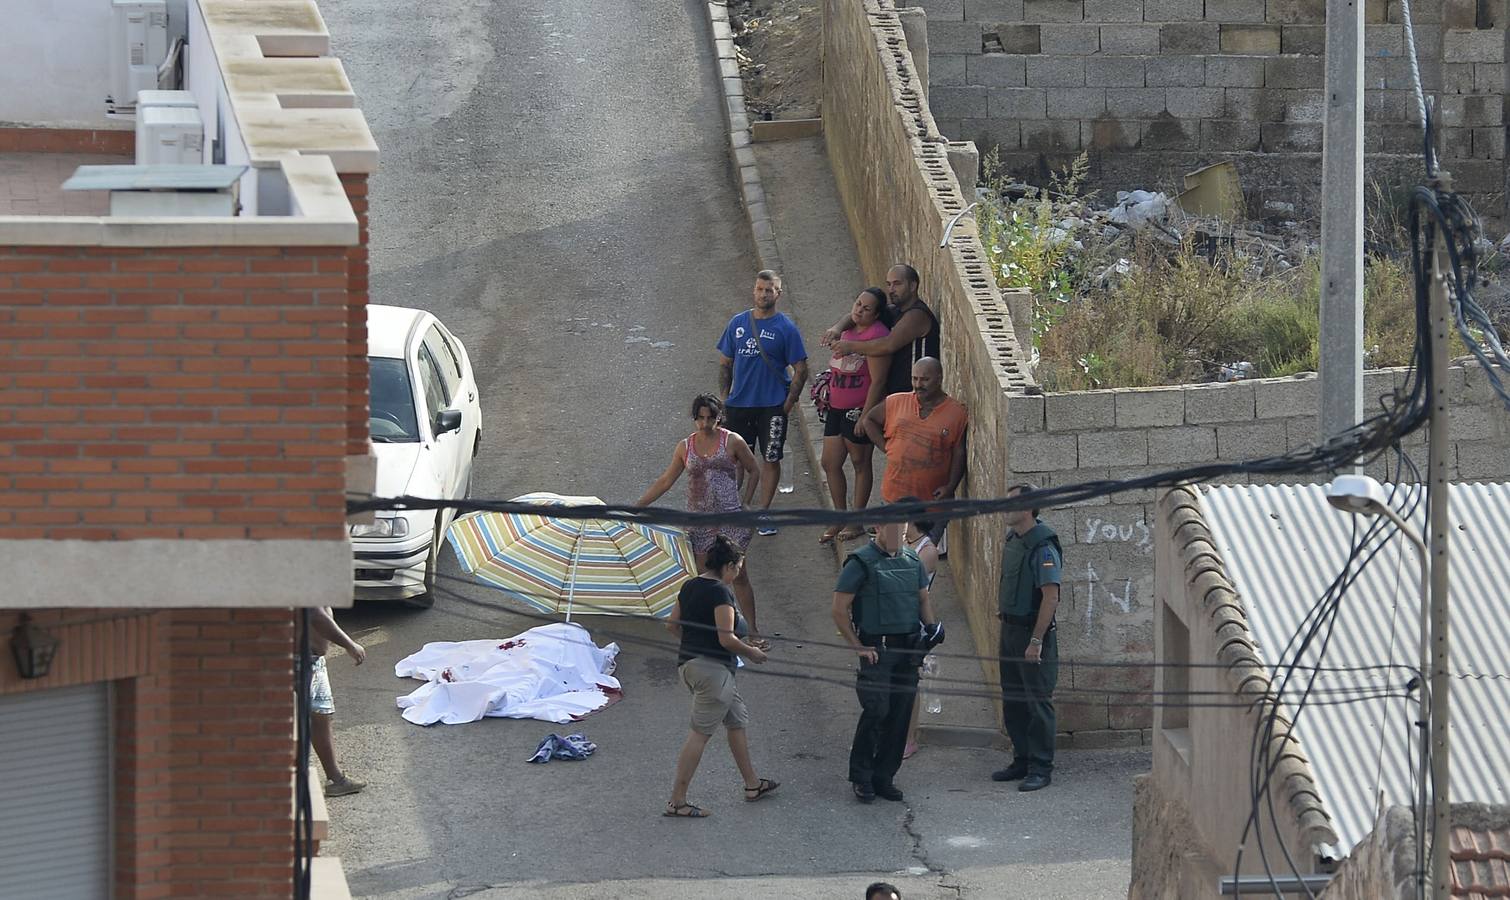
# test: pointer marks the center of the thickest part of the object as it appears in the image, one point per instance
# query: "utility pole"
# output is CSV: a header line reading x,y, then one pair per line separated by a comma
x,y
1341,345
1437,454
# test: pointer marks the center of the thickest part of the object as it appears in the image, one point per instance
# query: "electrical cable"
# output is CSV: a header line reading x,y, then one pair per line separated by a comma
x,y
304,816
768,671
1360,444
1459,229
780,670
1262,765
1415,83
808,641
1329,620
805,672
1455,218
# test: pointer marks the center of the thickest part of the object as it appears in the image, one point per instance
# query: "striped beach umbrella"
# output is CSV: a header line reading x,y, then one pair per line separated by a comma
x,y
603,566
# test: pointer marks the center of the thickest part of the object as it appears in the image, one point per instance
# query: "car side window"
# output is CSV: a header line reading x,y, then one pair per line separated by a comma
x,y
445,361
449,341
434,387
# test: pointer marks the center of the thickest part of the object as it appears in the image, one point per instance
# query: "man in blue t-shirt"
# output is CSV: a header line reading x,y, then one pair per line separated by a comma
x,y
757,347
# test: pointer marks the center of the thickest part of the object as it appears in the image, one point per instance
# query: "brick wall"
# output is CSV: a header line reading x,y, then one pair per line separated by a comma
x,y
1155,88
68,140
203,752
356,320
173,393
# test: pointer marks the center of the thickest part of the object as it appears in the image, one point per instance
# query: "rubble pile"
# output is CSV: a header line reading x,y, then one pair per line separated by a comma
x,y
1102,236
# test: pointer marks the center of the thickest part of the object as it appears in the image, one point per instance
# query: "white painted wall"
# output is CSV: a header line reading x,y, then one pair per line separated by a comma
x,y
205,82
55,63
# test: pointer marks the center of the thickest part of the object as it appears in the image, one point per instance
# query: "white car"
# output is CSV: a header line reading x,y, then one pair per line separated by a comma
x,y
426,427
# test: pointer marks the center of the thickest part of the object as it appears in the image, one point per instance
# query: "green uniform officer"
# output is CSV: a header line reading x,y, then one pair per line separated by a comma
x,y
882,608
1027,597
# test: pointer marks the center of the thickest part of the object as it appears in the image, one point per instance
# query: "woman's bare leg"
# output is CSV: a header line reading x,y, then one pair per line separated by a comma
x,y
686,766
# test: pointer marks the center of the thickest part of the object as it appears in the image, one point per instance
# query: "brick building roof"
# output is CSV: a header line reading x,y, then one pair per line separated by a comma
x,y
1481,862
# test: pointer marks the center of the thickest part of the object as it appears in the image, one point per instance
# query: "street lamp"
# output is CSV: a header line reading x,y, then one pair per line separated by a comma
x,y
1363,496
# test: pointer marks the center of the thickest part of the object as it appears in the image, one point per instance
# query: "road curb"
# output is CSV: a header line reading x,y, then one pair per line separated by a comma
x,y
963,736
752,192
741,138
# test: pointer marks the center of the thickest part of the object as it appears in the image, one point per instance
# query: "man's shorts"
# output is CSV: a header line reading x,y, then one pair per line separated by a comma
x,y
714,697
321,700
845,423
763,424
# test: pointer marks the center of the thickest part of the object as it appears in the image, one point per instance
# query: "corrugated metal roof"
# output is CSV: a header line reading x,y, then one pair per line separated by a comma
x,y
1283,545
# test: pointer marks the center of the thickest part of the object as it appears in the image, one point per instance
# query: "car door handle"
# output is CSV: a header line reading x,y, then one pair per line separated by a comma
x,y
471,396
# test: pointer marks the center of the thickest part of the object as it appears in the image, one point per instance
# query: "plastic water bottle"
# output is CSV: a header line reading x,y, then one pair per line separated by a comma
x,y
931,701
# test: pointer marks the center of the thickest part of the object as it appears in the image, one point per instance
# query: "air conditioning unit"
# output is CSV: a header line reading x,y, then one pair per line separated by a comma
x,y
138,44
169,135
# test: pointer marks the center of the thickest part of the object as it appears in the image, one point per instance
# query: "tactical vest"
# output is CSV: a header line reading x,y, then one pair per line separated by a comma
x,y
1028,596
887,603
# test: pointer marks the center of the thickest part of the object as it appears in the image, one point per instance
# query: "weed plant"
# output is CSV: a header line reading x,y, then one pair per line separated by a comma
x,y
1181,312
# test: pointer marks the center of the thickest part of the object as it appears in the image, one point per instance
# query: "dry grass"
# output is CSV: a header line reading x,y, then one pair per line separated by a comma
x,y
1180,313
1179,317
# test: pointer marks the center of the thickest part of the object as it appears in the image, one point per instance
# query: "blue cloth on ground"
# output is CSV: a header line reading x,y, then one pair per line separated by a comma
x,y
573,746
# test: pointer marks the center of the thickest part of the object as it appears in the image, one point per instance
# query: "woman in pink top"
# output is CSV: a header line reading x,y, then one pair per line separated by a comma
x,y
857,383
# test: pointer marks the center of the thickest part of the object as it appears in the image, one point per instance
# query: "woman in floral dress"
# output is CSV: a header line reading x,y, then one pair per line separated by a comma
x,y
713,456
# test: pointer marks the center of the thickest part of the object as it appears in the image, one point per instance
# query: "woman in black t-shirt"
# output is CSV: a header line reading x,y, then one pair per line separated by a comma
x,y
705,621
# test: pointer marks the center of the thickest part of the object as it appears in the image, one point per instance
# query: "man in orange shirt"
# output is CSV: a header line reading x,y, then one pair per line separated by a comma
x,y
923,436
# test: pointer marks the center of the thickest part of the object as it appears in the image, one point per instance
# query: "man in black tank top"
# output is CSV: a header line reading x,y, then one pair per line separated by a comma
x,y
914,330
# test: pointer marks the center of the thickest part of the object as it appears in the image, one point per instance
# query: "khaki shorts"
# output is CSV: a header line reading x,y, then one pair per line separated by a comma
x,y
714,697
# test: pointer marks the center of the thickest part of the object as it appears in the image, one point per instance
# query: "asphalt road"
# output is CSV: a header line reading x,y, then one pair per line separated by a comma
x,y
554,186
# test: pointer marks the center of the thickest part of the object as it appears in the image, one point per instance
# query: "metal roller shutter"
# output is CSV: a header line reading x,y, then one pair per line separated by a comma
x,y
55,794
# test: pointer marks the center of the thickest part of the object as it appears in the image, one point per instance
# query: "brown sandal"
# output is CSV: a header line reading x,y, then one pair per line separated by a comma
x,y
828,536
850,534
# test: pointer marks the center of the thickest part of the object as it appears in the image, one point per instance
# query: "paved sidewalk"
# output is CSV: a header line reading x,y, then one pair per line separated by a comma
x,y
822,278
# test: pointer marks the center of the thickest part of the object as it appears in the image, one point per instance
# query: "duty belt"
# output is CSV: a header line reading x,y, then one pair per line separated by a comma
x,y
1023,621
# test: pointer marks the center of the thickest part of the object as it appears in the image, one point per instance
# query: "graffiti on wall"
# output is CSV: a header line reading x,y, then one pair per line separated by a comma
x,y
1100,531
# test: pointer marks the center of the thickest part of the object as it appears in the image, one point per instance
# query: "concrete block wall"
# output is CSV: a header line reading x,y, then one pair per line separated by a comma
x,y
1108,606
891,167
1155,88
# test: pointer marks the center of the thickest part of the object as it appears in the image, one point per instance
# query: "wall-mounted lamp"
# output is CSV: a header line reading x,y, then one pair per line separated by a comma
x,y
33,647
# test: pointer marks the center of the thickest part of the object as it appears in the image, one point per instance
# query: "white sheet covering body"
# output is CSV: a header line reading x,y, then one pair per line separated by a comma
x,y
553,672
